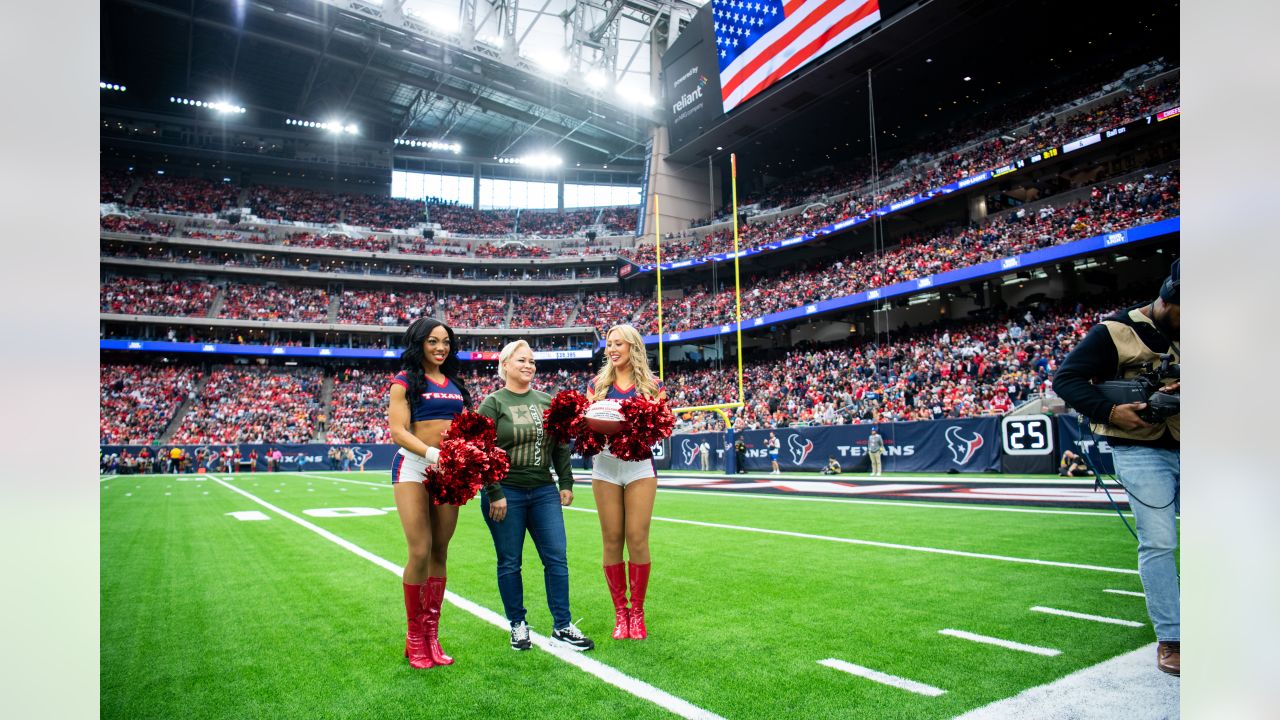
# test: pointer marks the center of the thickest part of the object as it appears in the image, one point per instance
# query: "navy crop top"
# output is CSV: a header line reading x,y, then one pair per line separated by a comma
x,y
439,402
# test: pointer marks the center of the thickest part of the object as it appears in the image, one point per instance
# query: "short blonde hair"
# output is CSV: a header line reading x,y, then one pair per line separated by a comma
x,y
507,351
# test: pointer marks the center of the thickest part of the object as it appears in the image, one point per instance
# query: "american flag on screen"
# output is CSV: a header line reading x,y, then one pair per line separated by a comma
x,y
758,42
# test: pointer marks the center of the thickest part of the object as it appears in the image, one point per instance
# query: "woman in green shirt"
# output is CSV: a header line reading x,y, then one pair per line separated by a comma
x,y
528,500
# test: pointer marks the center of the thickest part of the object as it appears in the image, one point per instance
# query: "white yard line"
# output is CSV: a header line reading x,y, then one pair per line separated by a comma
x,y
895,503
998,642
893,546
386,484
1086,616
1125,592
883,678
607,673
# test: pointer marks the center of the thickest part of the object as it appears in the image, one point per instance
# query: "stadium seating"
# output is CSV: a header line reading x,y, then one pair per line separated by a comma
x,y
269,302
254,405
138,296
137,402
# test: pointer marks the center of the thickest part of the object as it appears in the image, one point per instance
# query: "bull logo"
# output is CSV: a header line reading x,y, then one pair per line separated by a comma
x,y
799,448
962,449
688,451
362,456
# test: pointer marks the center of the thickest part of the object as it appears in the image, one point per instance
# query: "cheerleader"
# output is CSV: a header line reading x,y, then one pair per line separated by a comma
x,y
424,397
624,491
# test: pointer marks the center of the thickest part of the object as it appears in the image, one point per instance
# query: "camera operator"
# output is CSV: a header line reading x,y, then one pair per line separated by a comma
x,y
1135,346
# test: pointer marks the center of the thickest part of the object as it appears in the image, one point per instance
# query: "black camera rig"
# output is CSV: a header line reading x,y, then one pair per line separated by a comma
x,y
1145,388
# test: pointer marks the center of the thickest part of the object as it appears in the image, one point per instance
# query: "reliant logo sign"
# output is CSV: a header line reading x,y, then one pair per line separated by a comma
x,y
687,99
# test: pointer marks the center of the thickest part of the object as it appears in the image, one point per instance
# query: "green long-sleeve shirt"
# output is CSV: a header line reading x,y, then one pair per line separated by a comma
x,y
532,451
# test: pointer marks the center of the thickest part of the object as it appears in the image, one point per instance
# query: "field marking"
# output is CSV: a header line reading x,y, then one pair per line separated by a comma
x,y
894,503
1011,645
607,673
883,678
893,546
342,480
1125,592
1086,616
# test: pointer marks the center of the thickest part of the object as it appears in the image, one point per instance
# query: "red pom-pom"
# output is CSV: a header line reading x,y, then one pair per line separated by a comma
x,y
463,469
566,422
565,413
474,428
648,422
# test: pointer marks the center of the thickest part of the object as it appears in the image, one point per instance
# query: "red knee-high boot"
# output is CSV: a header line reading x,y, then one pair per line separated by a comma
x,y
415,643
639,575
434,591
616,576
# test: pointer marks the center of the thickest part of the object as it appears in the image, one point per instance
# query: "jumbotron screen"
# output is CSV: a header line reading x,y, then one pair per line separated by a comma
x,y
735,49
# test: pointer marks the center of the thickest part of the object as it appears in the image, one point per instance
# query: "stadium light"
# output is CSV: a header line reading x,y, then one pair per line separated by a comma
x,y
221,106
596,79
555,63
111,86
333,126
454,148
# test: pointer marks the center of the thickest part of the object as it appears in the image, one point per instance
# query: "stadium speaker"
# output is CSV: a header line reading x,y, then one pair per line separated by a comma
x,y
429,234
591,234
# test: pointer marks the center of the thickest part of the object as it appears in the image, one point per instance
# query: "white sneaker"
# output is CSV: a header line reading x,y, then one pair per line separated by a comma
x,y
573,638
520,636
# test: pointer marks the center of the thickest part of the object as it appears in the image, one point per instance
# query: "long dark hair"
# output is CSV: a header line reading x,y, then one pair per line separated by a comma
x,y
412,358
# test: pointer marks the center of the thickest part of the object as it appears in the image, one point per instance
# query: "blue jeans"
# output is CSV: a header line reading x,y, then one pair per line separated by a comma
x,y
536,510
1153,475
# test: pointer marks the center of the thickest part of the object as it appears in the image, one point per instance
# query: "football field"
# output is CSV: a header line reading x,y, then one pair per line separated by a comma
x,y
277,596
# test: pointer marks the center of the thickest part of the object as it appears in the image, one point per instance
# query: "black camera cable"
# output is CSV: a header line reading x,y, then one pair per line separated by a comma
x,y
1098,477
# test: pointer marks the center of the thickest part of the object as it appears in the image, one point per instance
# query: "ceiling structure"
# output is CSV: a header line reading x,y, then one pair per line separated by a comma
x,y
569,77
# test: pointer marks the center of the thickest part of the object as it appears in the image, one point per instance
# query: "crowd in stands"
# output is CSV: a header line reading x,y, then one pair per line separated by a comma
x,y
114,186
542,311
359,406
511,250
337,241
137,402
378,307
423,246
270,302
168,194
226,236
551,223
135,225
296,204
476,311
1110,207
950,370
620,220
908,177
254,405
466,220
139,296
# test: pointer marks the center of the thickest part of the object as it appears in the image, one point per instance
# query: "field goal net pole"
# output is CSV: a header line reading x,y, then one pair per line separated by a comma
x,y
730,457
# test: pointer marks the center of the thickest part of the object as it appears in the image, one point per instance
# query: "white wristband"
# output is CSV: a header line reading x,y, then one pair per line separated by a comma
x,y
433,455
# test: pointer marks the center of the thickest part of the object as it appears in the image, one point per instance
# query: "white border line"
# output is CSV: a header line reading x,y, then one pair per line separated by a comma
x,y
1125,592
883,678
893,546
309,474
609,674
923,504
1011,645
1086,616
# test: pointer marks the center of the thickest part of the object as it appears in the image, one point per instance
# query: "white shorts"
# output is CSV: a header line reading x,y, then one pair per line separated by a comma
x,y
408,467
610,469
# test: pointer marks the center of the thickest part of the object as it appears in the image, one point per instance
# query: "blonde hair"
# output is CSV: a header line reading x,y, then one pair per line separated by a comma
x,y
507,351
645,381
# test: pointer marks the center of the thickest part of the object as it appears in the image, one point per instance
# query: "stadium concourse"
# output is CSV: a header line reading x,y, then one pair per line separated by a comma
x,y
930,207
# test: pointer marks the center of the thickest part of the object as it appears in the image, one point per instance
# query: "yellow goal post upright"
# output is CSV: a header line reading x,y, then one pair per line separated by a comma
x,y
721,408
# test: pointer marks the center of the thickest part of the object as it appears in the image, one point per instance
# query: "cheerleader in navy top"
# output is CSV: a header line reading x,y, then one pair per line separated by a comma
x,y
624,491
424,397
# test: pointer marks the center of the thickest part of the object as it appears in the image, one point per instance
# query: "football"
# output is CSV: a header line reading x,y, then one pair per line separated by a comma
x,y
604,416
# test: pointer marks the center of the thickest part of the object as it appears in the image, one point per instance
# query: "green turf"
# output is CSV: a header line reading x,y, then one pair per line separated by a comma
x,y
207,616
